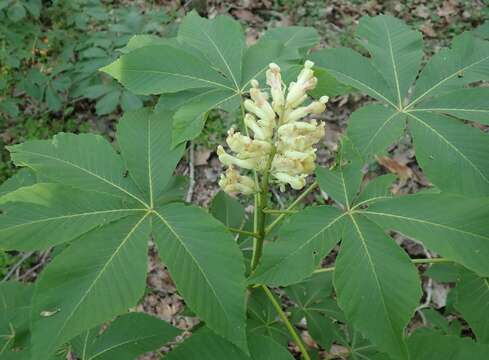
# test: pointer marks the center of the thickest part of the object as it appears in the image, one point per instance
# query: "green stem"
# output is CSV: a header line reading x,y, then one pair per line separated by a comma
x,y
291,207
431,261
414,261
262,215
287,323
242,232
278,212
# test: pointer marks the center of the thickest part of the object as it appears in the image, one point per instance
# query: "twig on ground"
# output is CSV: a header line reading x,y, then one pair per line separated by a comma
x,y
429,291
278,198
42,261
191,173
17,265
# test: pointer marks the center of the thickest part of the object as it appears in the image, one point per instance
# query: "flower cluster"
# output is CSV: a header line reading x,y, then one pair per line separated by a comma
x,y
281,143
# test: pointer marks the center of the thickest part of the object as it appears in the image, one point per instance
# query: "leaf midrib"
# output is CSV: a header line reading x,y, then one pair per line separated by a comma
x,y
182,243
69,217
372,266
222,57
456,149
441,82
406,218
88,172
110,348
181,75
394,65
100,273
367,86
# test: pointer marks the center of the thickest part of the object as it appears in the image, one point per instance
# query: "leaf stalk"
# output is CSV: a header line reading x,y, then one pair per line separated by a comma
x,y
287,323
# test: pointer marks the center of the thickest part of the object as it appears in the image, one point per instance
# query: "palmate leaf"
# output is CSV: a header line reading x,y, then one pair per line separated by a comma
x,y
208,66
263,319
108,223
373,277
315,304
439,140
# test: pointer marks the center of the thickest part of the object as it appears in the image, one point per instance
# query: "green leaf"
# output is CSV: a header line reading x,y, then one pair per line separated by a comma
x,y
373,128
355,70
469,104
43,215
227,210
145,145
256,59
127,337
130,101
175,70
293,37
444,144
16,12
206,345
328,85
206,265
444,273
189,120
374,279
377,189
467,61
472,302
441,143
265,348
321,329
302,243
98,277
343,182
220,40
142,40
15,303
314,295
23,177
458,232
62,160
431,345
108,103
396,51
263,319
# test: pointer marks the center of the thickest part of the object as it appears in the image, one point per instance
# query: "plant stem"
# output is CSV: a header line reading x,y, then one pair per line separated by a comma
x,y
431,261
287,323
291,207
414,261
261,215
242,232
278,212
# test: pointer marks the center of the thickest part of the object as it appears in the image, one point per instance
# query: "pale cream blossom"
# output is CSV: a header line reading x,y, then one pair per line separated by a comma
x,y
234,183
275,130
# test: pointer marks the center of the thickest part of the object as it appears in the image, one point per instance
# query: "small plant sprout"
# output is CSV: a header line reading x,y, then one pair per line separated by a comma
x,y
282,144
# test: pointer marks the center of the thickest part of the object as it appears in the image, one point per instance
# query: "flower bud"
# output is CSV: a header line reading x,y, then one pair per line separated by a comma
x,y
274,80
233,183
259,132
229,160
296,182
